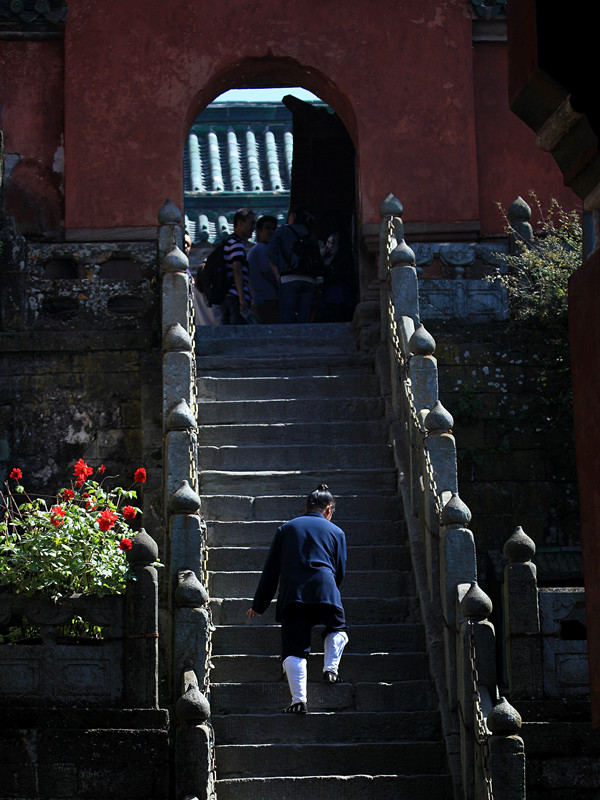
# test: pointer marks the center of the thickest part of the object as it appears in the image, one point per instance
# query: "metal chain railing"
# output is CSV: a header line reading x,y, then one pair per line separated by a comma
x,y
193,389
480,729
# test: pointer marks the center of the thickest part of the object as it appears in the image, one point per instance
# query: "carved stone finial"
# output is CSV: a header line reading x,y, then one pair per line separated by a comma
x,y
521,233
503,719
390,206
519,210
402,255
144,549
520,547
475,604
169,214
438,419
190,592
177,338
421,343
175,261
180,417
192,707
455,512
185,500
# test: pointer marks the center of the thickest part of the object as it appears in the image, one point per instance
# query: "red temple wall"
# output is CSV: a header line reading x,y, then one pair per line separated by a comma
x,y
508,159
427,111
32,122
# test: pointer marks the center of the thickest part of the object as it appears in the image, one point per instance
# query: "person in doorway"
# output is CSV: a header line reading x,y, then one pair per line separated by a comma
x,y
263,281
294,255
307,559
236,305
338,296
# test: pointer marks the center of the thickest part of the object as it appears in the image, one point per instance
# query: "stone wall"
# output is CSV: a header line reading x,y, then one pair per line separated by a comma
x,y
514,432
80,362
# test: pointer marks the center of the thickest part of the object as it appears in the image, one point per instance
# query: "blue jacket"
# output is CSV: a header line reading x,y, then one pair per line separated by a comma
x,y
308,560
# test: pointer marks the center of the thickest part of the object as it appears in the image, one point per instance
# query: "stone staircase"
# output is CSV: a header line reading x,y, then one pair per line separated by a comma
x,y
282,409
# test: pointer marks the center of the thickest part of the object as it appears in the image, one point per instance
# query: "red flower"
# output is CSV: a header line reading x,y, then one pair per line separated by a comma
x,y
81,470
68,494
140,475
101,469
129,512
16,474
90,505
125,544
56,515
107,519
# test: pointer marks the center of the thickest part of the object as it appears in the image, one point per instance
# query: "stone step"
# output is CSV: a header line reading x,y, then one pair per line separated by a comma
x,y
358,532
253,482
257,639
364,667
365,557
285,456
231,412
313,339
284,387
359,610
350,787
253,698
361,583
294,433
267,365
408,758
263,507
327,726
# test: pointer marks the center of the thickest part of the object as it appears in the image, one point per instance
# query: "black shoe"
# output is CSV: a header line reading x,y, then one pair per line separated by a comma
x,y
296,708
330,677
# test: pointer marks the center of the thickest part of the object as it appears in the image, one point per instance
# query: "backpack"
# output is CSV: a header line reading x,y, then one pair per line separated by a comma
x,y
305,258
211,278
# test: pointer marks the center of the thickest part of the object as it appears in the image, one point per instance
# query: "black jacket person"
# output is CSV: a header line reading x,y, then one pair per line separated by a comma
x,y
307,560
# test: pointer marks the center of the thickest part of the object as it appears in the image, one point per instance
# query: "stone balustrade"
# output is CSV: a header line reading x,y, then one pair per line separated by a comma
x,y
486,754
189,616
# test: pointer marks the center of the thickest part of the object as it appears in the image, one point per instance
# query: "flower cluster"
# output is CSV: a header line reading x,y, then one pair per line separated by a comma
x,y
76,543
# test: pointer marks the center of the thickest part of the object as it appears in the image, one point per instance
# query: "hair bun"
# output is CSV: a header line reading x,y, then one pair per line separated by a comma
x,y
322,487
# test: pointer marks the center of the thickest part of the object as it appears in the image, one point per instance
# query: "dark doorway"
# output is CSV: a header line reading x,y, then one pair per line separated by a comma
x,y
323,178
323,165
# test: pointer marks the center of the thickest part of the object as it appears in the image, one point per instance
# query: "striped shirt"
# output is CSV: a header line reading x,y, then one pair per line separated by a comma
x,y
234,250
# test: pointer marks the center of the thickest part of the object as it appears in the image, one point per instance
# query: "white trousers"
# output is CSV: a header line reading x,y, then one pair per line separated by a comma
x,y
334,647
295,668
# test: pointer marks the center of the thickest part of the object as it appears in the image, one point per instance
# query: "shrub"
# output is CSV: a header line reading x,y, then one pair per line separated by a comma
x,y
74,544
536,273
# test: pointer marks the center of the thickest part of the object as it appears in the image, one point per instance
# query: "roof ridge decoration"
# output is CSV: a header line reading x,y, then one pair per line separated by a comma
x,y
32,15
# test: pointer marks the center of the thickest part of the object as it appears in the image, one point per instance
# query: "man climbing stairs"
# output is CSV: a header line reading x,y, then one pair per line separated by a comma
x,y
282,409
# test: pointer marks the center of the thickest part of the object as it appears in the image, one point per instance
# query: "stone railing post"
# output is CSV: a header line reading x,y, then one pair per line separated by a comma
x,y
194,743
421,372
521,232
440,482
141,625
458,565
476,673
506,752
522,618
